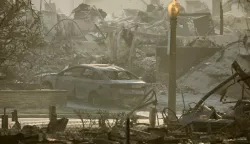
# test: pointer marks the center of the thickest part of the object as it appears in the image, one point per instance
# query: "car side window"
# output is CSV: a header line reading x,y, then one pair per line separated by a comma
x,y
75,72
91,74
123,76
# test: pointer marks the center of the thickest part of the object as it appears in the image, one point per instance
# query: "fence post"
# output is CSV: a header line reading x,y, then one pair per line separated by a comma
x,y
52,113
128,131
5,120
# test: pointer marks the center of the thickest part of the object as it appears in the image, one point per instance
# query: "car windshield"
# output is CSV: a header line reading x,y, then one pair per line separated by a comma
x,y
120,75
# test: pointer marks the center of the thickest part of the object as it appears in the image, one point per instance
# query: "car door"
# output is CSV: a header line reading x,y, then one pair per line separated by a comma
x,y
90,81
68,79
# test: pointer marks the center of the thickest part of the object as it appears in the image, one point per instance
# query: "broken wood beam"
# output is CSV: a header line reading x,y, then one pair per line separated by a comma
x,y
244,76
99,30
214,90
97,11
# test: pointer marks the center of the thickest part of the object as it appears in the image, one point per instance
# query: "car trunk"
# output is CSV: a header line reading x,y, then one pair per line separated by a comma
x,y
128,92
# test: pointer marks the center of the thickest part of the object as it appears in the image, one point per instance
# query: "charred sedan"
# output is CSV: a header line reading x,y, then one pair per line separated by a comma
x,y
98,84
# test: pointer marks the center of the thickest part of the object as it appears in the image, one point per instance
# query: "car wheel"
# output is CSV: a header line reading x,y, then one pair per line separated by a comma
x,y
47,85
93,99
72,95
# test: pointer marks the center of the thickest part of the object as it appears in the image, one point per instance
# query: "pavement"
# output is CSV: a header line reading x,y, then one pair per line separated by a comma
x,y
182,102
143,113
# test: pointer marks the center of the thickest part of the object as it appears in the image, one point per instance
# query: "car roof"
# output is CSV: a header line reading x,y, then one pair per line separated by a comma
x,y
109,67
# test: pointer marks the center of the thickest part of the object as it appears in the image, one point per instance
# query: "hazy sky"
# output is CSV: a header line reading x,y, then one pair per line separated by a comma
x,y
110,6
65,6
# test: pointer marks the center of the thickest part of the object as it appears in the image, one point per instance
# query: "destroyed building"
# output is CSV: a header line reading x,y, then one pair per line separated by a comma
x,y
84,10
99,76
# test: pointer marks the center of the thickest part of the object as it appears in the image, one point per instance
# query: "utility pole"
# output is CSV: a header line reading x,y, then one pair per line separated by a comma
x,y
41,4
173,10
41,19
221,19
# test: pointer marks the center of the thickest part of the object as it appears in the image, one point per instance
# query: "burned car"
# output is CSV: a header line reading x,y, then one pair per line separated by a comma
x,y
98,84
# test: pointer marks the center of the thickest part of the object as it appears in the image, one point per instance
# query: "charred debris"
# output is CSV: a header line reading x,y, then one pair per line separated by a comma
x,y
121,40
128,40
198,124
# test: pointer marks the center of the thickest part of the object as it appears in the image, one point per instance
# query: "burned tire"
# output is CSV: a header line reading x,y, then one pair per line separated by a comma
x,y
47,85
71,95
94,99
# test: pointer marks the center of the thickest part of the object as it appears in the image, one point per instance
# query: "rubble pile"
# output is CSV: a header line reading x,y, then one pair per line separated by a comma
x,y
132,31
60,52
214,70
147,67
232,23
128,34
87,12
55,57
129,41
199,124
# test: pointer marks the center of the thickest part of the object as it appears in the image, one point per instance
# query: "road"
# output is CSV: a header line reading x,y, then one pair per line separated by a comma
x,y
162,102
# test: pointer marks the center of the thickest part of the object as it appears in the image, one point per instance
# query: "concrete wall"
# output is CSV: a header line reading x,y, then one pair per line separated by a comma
x,y
186,58
22,99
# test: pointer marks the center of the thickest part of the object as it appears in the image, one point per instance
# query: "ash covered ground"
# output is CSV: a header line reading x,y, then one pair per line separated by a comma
x,y
111,41
39,47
